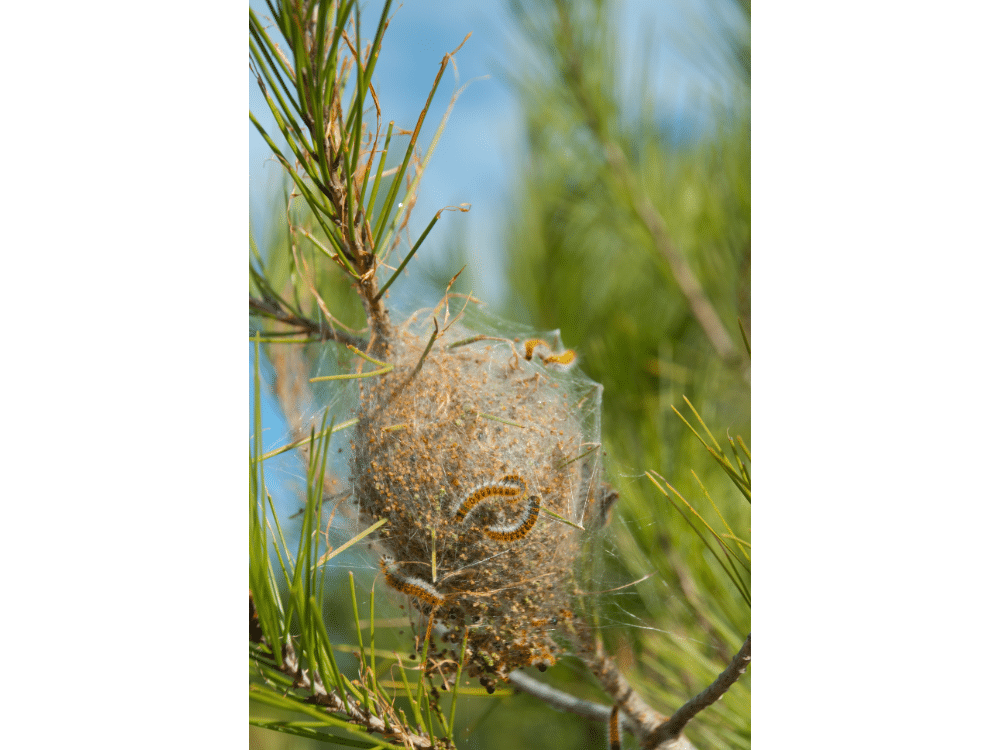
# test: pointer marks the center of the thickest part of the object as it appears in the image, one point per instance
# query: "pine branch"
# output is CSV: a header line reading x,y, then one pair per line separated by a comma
x,y
321,329
351,710
562,701
672,728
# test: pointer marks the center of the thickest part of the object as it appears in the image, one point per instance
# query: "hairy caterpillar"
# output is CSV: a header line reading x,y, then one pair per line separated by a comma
x,y
409,585
510,486
510,532
566,358
614,734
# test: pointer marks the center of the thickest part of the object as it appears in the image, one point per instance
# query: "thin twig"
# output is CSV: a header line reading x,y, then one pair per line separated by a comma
x,y
637,713
322,329
639,718
500,419
672,728
564,701
642,723
409,378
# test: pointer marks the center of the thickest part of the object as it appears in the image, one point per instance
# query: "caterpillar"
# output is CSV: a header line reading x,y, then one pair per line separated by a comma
x,y
409,585
529,347
566,358
614,734
511,486
510,532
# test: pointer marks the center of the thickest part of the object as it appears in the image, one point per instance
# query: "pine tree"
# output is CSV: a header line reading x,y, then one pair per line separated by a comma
x,y
635,243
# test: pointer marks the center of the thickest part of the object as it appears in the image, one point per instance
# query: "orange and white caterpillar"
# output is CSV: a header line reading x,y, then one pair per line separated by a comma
x,y
510,487
418,588
529,347
511,532
566,358
614,733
